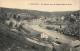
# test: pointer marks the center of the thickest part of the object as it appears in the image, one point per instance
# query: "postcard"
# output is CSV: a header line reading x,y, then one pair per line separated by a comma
x,y
39,25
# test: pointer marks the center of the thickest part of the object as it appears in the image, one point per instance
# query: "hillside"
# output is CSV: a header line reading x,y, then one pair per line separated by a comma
x,y
37,13
14,41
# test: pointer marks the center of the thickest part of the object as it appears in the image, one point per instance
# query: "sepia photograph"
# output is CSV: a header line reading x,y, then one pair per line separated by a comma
x,y
39,25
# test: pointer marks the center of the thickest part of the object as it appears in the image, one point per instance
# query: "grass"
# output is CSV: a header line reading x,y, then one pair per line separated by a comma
x,y
16,41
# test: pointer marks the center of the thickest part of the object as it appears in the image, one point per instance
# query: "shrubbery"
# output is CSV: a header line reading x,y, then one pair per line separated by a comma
x,y
72,28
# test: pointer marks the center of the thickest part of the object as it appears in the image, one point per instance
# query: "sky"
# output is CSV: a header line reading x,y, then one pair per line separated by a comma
x,y
25,4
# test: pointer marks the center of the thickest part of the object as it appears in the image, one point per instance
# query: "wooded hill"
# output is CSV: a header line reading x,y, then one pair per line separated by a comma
x,y
36,13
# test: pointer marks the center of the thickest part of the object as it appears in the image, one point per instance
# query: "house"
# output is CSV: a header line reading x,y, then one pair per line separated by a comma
x,y
11,22
18,23
23,14
7,22
41,18
44,35
24,22
72,15
35,21
62,18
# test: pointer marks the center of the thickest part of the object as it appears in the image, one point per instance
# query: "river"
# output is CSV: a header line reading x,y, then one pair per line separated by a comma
x,y
52,33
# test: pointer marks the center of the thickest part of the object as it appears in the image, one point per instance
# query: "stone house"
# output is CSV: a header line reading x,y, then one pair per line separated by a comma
x,y
44,35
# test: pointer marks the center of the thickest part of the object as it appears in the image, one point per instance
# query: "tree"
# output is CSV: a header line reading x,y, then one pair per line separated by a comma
x,y
10,24
72,20
14,16
48,49
63,47
50,39
18,19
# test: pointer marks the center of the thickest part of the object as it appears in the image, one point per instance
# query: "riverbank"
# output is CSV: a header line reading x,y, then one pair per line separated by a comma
x,y
52,33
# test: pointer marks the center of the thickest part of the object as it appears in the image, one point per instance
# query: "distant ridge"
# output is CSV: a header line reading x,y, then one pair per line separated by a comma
x,y
38,13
